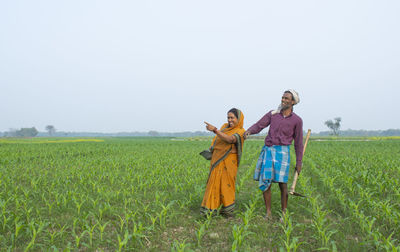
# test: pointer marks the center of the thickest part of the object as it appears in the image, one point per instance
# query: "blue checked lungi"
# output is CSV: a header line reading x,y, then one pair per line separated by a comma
x,y
272,166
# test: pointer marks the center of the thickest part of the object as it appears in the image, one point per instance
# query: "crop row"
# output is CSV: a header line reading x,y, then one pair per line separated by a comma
x,y
131,194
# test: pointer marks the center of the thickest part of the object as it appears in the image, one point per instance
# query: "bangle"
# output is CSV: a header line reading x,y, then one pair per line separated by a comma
x,y
215,130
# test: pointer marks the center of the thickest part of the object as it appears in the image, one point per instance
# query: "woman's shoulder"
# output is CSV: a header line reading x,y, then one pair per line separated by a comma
x,y
240,131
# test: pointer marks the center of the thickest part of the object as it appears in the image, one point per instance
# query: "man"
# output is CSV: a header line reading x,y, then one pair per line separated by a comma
x,y
274,161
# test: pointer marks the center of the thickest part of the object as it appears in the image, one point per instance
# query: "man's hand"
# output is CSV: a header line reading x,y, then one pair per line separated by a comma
x,y
246,134
298,168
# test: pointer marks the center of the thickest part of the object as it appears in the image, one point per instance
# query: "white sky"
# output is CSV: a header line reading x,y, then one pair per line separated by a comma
x,y
110,66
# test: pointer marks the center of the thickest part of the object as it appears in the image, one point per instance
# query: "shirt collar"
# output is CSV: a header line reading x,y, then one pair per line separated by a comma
x,y
291,113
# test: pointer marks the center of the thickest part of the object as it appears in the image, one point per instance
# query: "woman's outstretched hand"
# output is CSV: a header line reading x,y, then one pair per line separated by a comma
x,y
210,127
222,135
246,134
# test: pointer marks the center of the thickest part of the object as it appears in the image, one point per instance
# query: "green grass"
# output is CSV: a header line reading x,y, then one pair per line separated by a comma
x,y
145,194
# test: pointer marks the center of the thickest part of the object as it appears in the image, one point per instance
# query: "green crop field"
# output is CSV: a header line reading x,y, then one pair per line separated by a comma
x,y
132,194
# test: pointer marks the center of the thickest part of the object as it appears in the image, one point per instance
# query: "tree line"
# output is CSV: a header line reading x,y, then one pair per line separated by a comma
x,y
333,125
361,133
344,133
27,132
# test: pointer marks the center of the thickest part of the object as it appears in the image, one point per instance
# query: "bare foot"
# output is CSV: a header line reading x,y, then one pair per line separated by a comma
x,y
268,217
282,219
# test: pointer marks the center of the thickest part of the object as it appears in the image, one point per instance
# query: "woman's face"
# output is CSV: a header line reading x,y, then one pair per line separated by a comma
x,y
232,120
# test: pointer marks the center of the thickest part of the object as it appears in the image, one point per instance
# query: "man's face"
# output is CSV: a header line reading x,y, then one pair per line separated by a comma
x,y
287,101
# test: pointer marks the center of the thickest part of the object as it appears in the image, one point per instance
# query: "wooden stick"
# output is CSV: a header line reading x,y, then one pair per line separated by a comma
x,y
296,174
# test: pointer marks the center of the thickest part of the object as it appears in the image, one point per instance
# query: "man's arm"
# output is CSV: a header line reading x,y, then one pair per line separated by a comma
x,y
258,126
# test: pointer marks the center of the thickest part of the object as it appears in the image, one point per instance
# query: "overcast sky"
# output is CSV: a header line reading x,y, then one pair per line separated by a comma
x,y
111,66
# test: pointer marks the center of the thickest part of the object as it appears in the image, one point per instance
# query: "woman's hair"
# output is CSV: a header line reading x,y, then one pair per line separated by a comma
x,y
235,112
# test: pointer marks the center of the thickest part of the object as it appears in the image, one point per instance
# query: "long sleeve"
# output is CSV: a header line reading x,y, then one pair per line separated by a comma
x,y
261,124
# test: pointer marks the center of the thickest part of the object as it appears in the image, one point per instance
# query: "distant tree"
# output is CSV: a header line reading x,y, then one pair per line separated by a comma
x,y
334,125
153,133
27,132
50,129
391,132
11,133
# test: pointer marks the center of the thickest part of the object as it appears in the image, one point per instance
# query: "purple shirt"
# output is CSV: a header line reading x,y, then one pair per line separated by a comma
x,y
282,131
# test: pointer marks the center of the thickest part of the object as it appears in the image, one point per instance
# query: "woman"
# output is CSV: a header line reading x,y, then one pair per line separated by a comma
x,y
226,151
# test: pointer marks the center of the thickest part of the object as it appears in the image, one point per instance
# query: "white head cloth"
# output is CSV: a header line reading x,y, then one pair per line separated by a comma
x,y
296,99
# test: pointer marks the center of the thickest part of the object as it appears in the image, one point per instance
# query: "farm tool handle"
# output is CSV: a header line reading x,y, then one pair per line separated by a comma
x,y
296,174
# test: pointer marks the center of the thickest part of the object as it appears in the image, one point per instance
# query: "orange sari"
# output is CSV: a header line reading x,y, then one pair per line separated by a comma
x,y
221,181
